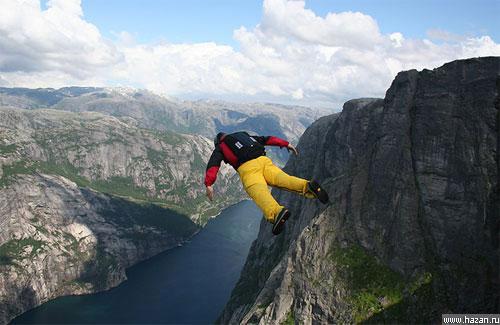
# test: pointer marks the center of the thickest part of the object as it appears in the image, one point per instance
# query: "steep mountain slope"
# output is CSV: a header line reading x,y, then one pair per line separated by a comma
x,y
412,230
76,201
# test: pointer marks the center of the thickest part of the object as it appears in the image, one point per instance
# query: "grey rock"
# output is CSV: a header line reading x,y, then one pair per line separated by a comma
x,y
412,229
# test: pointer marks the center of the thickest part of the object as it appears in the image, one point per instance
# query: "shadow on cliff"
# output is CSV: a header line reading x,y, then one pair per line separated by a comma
x,y
421,307
26,298
426,305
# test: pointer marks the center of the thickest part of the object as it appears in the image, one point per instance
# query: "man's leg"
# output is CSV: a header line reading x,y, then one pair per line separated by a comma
x,y
274,176
251,175
262,197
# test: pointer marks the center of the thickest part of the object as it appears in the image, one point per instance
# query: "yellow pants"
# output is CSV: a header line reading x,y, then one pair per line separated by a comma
x,y
257,174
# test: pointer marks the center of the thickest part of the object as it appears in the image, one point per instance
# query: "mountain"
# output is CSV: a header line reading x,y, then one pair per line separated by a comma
x,y
93,180
85,195
103,153
412,228
148,110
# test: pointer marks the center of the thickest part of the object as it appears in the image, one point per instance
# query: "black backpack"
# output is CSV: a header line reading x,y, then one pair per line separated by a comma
x,y
244,146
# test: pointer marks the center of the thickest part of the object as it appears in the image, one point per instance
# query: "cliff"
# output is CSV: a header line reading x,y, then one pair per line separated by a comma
x,y
412,228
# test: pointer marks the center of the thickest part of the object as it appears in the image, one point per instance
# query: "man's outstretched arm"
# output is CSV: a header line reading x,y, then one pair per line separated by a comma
x,y
213,166
275,141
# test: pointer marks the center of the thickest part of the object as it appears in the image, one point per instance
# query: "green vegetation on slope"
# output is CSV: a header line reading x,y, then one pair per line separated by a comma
x,y
98,270
290,318
125,213
6,149
122,186
18,249
29,167
166,136
374,287
116,185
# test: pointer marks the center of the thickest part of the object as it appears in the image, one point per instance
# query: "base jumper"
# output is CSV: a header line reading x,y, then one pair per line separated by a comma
x,y
246,153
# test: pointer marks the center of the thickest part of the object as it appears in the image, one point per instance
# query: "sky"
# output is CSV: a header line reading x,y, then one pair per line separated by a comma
x,y
312,53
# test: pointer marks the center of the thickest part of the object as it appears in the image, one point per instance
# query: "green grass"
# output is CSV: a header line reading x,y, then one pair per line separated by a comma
x,y
15,249
41,230
156,157
290,318
421,304
98,269
377,293
122,186
65,169
116,185
6,149
18,167
75,283
373,285
162,186
126,214
198,163
164,136
73,245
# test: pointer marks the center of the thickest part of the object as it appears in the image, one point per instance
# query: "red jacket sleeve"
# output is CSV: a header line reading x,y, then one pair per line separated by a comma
x,y
275,141
211,175
213,166
271,141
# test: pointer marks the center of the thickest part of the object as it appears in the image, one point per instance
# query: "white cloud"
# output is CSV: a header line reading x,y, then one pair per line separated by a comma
x,y
290,19
57,39
292,55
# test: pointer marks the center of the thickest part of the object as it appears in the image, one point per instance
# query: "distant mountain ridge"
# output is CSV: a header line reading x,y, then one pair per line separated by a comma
x,y
145,109
204,117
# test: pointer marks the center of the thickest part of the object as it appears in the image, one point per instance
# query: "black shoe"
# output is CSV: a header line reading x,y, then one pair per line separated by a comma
x,y
318,191
279,224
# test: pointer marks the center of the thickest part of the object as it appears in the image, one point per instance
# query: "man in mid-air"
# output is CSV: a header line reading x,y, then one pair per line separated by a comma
x,y
246,153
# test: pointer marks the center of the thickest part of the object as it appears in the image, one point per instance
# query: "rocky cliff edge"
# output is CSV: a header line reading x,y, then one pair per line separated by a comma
x,y
412,229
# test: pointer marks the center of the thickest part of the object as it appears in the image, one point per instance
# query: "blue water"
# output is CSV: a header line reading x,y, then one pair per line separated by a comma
x,y
189,284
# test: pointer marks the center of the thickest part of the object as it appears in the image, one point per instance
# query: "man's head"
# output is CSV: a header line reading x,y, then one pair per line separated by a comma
x,y
218,138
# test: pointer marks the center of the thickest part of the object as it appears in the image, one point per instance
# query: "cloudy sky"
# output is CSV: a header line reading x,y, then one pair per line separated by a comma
x,y
317,52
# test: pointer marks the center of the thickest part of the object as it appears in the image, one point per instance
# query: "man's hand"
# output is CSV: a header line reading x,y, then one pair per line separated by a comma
x,y
292,149
210,193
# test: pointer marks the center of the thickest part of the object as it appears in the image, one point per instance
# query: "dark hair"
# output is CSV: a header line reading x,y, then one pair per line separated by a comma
x,y
218,137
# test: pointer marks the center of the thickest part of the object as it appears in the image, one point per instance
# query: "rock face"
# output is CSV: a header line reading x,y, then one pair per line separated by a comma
x,y
412,229
59,239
